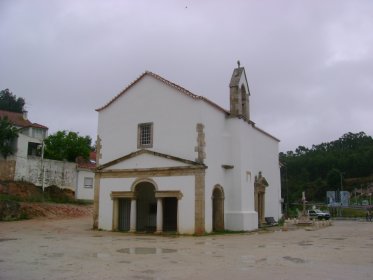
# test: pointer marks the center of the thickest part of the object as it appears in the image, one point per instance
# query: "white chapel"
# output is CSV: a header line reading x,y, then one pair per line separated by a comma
x,y
171,160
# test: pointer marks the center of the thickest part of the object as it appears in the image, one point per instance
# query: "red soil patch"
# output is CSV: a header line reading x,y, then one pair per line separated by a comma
x,y
25,192
55,210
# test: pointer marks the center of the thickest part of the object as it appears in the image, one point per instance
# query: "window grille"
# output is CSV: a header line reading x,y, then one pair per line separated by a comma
x,y
145,135
88,182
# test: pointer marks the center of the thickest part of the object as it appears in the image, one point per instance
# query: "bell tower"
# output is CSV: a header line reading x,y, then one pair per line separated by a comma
x,y
239,94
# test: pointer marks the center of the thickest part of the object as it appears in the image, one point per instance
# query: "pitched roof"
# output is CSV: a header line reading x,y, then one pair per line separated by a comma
x,y
17,119
234,81
167,82
36,125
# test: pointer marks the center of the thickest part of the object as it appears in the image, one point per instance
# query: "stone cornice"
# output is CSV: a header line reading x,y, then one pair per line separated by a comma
x,y
153,153
151,172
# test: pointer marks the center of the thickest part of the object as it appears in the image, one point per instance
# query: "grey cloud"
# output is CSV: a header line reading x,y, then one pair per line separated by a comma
x,y
309,63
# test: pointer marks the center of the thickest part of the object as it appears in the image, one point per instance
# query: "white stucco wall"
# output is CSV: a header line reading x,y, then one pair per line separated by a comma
x,y
22,144
229,141
82,191
232,141
35,133
174,117
30,168
267,161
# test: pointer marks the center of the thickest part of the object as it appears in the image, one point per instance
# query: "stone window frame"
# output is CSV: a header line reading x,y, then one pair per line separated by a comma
x,y
141,136
88,185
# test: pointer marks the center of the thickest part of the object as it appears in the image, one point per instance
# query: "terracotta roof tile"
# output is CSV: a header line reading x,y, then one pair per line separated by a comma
x,y
36,125
87,164
17,119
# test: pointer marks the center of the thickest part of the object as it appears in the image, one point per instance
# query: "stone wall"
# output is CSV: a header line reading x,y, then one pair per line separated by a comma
x,y
59,173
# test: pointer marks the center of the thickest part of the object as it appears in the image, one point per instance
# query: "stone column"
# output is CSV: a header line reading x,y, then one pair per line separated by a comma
x,y
115,213
133,215
159,215
96,205
199,204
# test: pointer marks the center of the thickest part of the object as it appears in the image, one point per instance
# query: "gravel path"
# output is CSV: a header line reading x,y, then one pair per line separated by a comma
x,y
69,249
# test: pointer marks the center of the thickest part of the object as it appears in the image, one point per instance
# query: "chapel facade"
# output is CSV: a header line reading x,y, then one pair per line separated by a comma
x,y
170,160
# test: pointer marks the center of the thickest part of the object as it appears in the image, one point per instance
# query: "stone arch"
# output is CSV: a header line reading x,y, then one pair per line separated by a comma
x,y
218,208
142,180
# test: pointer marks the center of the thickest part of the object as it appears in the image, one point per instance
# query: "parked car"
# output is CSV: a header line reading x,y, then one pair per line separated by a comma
x,y
317,213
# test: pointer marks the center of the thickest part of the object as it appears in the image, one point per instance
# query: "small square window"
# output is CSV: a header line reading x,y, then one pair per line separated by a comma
x,y
145,135
88,182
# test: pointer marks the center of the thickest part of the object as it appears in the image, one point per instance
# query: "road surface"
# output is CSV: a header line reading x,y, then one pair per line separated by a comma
x,y
69,249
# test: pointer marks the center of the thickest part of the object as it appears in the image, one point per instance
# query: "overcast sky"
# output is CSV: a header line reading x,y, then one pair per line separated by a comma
x,y
309,64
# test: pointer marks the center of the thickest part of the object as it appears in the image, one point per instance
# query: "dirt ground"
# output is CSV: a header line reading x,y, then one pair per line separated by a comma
x,y
69,249
55,210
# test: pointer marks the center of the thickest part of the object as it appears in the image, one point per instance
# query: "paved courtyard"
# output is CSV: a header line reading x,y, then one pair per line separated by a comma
x,y
69,249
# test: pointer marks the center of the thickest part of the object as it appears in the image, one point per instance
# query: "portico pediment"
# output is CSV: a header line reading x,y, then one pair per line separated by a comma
x,y
146,159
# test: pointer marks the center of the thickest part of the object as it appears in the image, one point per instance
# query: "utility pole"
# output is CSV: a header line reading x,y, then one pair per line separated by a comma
x,y
340,193
42,166
284,179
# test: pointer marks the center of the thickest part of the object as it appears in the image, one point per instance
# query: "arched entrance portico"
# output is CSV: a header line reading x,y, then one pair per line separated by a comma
x,y
218,209
146,207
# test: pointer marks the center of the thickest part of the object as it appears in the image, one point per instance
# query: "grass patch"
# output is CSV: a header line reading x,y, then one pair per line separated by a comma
x,y
6,197
45,197
82,202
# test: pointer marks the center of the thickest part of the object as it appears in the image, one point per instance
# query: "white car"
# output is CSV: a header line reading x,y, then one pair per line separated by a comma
x,y
317,213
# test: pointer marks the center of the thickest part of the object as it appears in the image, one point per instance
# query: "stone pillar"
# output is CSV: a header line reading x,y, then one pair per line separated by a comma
x,y
199,204
133,215
201,144
96,205
115,213
159,215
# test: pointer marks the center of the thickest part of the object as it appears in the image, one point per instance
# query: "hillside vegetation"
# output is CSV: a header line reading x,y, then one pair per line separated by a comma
x,y
324,167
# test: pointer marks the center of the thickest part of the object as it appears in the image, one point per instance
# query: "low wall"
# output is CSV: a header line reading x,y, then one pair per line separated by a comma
x,y
53,172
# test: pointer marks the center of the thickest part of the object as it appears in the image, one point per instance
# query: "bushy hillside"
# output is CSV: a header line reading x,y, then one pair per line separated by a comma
x,y
325,166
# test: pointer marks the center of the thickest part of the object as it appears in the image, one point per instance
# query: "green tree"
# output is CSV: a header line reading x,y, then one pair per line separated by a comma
x,y
10,102
68,146
333,178
8,133
318,169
